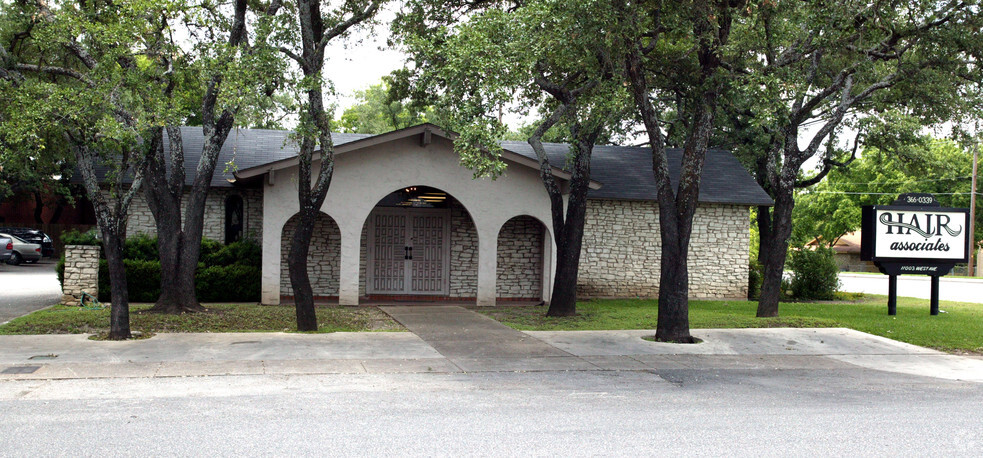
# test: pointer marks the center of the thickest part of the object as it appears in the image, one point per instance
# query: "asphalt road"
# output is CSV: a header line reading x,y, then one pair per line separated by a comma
x,y
27,287
827,412
950,289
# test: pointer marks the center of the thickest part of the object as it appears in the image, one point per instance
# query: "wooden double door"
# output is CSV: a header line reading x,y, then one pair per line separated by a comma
x,y
408,252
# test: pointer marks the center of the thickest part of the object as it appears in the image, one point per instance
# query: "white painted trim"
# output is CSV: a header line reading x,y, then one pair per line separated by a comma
x,y
422,129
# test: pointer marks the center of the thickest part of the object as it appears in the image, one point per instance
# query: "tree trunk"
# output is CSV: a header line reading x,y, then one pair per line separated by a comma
x,y
570,229
119,311
59,209
111,218
772,251
673,324
299,280
177,275
316,125
38,208
180,244
563,300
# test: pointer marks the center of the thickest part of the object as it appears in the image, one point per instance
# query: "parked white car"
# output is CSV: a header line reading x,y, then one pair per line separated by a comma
x,y
6,248
23,251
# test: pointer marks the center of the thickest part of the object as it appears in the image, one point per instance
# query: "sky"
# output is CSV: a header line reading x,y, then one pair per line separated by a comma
x,y
361,61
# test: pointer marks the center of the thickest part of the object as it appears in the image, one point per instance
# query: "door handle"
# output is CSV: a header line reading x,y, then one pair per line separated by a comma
x,y
407,252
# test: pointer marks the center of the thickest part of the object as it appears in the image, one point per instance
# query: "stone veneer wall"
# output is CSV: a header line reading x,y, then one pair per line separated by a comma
x,y
520,259
464,253
620,255
141,220
323,260
81,273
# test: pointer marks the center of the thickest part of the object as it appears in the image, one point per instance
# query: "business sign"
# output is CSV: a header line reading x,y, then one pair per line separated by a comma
x,y
901,232
915,235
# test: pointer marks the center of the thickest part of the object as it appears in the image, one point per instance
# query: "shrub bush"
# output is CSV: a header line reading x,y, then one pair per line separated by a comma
x,y
814,274
754,279
142,280
225,272
228,283
242,252
141,247
74,237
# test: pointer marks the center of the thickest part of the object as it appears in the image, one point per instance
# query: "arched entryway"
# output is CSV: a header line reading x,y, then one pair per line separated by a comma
x,y
323,261
419,243
521,264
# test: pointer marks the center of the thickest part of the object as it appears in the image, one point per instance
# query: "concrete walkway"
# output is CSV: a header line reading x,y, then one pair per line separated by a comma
x,y
474,342
455,340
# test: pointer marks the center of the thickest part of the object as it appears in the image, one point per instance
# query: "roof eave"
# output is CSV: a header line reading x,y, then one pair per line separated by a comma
x,y
392,136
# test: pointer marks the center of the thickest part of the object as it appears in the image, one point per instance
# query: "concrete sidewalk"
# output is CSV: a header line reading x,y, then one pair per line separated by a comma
x,y
475,344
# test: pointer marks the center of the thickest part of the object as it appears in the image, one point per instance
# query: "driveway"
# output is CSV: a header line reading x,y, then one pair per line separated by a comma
x,y
27,287
950,289
461,384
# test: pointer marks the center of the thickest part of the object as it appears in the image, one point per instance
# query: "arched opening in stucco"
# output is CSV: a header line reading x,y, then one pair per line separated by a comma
x,y
521,259
323,259
419,242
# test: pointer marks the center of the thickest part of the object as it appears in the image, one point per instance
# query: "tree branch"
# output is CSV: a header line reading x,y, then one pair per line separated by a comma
x,y
343,26
55,71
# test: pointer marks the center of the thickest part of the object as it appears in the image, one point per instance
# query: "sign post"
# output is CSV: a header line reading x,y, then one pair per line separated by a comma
x,y
914,235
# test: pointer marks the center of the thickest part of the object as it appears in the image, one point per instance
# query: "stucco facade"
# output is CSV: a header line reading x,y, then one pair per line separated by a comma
x,y
477,240
365,177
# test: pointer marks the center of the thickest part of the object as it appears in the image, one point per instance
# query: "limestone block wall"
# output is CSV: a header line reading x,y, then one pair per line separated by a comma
x,y
620,255
81,273
324,257
141,221
464,254
520,259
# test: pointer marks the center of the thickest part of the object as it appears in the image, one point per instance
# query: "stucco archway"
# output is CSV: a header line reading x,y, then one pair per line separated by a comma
x,y
392,264
323,261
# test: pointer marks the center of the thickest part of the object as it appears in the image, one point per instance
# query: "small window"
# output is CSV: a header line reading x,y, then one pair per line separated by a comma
x,y
233,219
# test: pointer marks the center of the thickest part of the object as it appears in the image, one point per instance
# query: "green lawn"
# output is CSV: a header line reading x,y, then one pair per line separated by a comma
x,y
958,330
219,318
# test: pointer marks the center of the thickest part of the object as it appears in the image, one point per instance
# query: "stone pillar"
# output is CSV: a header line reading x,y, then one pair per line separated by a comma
x,y
81,273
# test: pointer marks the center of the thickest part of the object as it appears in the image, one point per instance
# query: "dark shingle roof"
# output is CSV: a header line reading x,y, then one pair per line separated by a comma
x,y
247,148
626,173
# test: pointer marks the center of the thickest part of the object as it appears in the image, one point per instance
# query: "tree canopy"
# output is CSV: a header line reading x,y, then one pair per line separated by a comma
x,y
832,208
811,69
377,112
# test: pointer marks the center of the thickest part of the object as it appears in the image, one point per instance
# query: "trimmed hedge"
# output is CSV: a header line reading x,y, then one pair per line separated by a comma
x,y
225,272
236,283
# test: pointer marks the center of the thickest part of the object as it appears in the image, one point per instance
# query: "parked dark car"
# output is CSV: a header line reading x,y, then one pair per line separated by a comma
x,y
32,236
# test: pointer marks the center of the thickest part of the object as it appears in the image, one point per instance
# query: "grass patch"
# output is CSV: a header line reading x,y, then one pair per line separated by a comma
x,y
62,319
959,330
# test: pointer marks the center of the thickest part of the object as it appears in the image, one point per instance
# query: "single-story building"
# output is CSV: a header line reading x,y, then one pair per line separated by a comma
x,y
404,220
846,253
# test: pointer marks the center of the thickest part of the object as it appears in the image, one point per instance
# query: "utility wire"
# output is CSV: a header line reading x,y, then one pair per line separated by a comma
x,y
906,182
890,193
